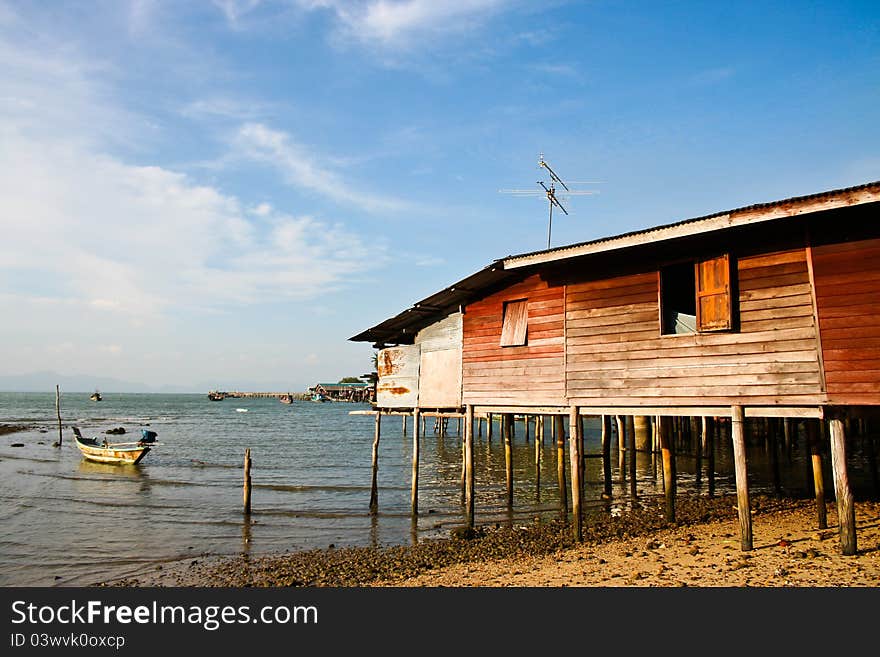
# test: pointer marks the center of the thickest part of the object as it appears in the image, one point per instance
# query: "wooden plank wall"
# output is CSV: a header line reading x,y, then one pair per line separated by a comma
x,y
847,279
616,355
440,368
533,374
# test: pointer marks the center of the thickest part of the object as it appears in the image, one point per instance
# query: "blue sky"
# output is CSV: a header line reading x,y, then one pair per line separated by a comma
x,y
220,194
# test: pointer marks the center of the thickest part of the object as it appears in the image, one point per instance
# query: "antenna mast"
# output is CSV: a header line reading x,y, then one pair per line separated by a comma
x,y
550,193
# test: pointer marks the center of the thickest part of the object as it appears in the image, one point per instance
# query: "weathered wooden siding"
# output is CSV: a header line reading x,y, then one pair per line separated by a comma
x,y
847,279
533,374
616,356
398,370
440,368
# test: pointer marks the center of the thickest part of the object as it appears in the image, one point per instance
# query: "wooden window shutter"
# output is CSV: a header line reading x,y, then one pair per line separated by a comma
x,y
714,303
516,319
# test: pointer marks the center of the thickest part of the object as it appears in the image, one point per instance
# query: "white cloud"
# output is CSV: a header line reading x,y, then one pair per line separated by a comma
x,y
403,23
84,228
300,168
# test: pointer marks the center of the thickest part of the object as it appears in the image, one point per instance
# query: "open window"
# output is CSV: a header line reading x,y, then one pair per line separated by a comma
x,y
695,297
514,329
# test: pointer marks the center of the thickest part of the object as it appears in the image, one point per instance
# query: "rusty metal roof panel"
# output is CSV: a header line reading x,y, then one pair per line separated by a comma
x,y
403,327
868,192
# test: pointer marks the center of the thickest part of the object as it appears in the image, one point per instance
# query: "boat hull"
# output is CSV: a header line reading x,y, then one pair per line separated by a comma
x,y
116,455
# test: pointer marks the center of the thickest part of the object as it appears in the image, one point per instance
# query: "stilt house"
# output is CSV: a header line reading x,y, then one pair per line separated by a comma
x,y
769,310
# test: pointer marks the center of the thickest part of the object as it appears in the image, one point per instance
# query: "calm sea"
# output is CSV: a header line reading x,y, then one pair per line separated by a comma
x,y
66,521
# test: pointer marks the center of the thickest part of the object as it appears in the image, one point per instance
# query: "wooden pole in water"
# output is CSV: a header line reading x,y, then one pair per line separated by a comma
x,y
846,512
632,459
742,476
374,486
58,412
507,437
606,455
574,452
621,447
414,495
247,480
711,429
469,465
812,428
404,425
559,426
489,427
539,428
664,434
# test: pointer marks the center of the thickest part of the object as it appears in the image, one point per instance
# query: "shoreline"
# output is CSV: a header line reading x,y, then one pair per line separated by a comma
x,y
637,549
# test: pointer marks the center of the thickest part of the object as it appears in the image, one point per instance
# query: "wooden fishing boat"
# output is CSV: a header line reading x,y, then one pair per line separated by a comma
x,y
95,396
286,399
119,453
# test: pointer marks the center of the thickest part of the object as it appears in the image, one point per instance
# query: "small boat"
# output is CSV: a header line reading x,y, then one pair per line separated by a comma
x,y
95,396
286,399
214,395
241,410
319,397
128,453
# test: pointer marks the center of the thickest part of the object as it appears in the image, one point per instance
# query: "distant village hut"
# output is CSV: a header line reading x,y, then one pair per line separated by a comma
x,y
767,311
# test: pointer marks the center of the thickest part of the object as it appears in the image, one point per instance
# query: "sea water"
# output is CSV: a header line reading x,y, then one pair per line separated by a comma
x,y
68,521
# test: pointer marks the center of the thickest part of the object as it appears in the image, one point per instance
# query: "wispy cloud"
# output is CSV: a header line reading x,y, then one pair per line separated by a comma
x,y
300,168
87,230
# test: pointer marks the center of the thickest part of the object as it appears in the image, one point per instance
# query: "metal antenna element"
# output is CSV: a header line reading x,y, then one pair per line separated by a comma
x,y
550,193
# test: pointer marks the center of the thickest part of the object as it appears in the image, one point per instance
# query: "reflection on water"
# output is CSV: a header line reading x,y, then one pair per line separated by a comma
x,y
311,481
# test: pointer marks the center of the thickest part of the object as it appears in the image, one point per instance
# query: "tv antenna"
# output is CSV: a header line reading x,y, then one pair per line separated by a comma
x,y
553,198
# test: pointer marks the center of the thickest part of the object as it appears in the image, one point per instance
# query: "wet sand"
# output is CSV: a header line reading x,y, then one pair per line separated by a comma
x,y
640,549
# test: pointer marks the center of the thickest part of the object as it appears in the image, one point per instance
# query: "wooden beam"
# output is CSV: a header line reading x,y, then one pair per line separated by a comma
x,y
574,451
559,424
812,429
667,451
742,477
507,437
247,481
846,513
469,465
414,494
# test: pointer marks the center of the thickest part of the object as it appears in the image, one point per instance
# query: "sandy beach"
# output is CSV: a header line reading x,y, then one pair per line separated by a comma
x,y
702,549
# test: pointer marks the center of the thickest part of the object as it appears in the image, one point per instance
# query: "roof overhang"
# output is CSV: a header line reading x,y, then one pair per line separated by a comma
x,y
403,327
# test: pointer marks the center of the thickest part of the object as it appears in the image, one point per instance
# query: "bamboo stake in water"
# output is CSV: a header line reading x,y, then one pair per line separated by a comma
x,y
247,480
58,412
374,486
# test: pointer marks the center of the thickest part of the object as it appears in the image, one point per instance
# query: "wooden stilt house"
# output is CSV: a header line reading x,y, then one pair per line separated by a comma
x,y
770,310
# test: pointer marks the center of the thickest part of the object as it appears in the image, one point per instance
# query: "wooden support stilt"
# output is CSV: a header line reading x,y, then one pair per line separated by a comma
x,y
631,439
507,437
710,430
463,472
812,427
247,480
664,434
469,465
526,428
414,494
742,477
58,412
846,512
479,426
374,486
539,426
559,431
489,427
773,453
574,451
606,456
621,447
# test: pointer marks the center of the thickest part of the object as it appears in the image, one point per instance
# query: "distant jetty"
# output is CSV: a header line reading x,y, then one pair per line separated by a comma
x,y
217,395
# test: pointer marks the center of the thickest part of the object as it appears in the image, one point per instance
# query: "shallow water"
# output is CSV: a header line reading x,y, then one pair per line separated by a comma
x,y
67,521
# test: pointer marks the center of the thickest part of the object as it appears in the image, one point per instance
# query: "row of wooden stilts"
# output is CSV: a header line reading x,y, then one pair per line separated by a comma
x,y
632,436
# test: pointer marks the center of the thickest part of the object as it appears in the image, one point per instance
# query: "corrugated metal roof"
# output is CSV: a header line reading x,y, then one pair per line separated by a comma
x,y
402,328
728,219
